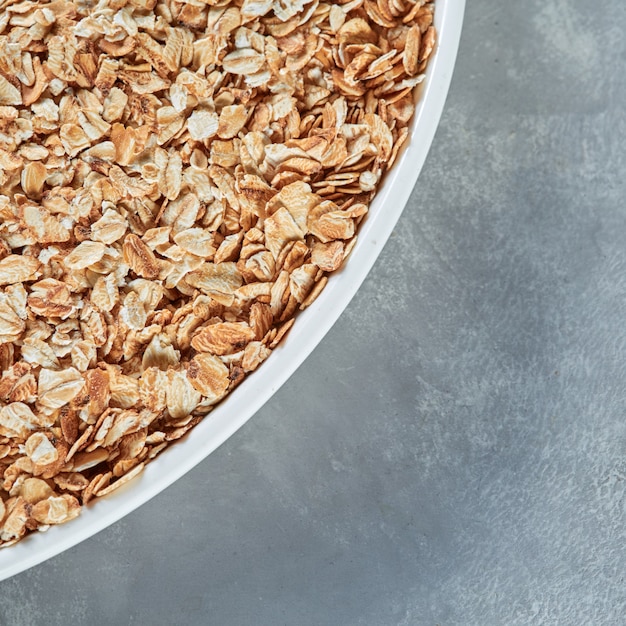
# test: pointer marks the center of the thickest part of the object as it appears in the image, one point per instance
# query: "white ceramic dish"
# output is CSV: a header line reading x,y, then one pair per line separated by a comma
x,y
310,327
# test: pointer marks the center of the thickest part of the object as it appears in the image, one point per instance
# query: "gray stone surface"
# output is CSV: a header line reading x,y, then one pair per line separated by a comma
x,y
454,451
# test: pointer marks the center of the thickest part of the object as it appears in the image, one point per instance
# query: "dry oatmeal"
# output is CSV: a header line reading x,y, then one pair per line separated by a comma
x,y
177,179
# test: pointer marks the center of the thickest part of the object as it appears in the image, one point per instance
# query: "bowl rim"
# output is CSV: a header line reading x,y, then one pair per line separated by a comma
x,y
311,326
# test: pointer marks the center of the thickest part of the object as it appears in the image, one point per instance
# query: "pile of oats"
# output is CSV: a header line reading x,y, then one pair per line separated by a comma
x,y
177,179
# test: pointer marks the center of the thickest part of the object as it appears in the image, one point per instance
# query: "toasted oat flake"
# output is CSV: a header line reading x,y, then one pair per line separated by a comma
x,y
177,181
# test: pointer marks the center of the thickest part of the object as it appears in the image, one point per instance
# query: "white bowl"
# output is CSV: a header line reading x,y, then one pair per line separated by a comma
x,y
309,329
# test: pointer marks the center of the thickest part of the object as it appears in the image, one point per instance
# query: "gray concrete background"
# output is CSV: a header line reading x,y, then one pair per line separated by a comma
x,y
454,452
